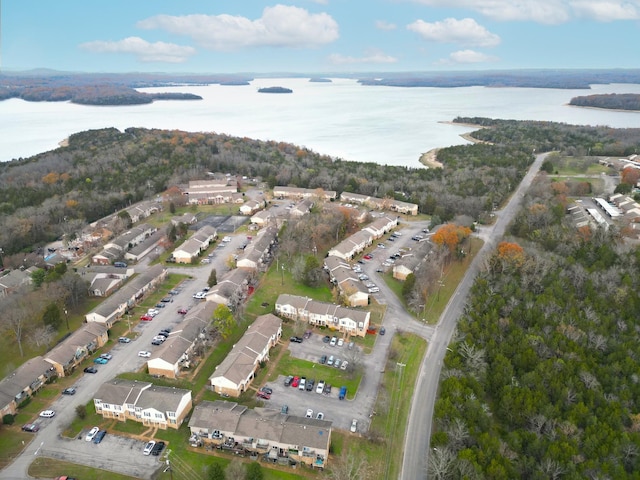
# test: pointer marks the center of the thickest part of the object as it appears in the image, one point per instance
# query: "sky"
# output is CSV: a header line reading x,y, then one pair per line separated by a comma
x,y
306,36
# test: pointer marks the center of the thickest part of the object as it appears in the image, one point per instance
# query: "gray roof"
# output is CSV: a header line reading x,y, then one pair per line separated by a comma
x,y
22,377
78,340
141,394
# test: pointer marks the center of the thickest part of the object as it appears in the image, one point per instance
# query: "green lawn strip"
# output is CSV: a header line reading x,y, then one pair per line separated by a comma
x,y
382,446
43,467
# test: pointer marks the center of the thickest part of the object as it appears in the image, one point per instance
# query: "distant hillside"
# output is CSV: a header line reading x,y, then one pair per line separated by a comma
x,y
275,90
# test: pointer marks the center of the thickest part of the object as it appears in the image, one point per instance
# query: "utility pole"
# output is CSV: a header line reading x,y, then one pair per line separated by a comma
x,y
66,316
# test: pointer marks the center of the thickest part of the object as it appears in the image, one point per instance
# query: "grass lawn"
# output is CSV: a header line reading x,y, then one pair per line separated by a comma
x,y
43,467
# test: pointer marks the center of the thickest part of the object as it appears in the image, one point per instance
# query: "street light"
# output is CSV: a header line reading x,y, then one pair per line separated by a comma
x,y
282,270
66,316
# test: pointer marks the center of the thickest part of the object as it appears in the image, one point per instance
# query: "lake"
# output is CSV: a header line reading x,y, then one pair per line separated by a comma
x,y
386,125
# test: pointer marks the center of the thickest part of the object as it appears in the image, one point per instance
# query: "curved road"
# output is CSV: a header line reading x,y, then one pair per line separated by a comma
x,y
416,445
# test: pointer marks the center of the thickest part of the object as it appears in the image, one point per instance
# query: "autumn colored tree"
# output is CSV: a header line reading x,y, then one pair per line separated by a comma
x,y
511,254
630,175
451,235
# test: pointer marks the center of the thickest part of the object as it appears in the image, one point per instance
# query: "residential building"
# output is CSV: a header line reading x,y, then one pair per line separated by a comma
x,y
345,320
283,438
302,193
22,383
194,246
143,402
74,349
236,372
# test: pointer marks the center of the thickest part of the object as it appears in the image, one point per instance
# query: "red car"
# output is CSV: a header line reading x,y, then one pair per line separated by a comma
x,y
146,318
264,395
367,257
182,311
295,382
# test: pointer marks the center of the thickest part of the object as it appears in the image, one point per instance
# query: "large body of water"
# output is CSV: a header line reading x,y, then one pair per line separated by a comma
x,y
386,125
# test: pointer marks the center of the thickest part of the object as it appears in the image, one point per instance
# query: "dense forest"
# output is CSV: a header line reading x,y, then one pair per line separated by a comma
x,y
618,101
543,380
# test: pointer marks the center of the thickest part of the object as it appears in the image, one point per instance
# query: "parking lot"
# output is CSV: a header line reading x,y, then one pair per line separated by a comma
x,y
340,412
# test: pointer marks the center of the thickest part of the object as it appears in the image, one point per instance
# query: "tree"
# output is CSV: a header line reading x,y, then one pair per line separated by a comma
x,y
52,316
215,471
236,469
213,278
223,320
351,466
81,411
451,235
254,471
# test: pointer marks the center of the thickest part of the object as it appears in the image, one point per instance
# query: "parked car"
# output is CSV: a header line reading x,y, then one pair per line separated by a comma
x,y
295,382
69,391
146,318
288,380
320,416
307,334
263,395
99,436
334,341
124,340
323,359
91,434
340,342
303,384
144,354
351,345
182,311
100,361
47,413
90,370
327,389
157,449
367,257
326,339
31,427
167,300
160,305
309,413
310,384
296,339
330,360
344,365
285,409
337,363
354,426
148,447
382,331
320,387
153,312
266,390
343,393
108,356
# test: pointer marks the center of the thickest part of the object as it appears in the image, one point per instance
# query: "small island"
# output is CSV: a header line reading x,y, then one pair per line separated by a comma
x,y
274,90
320,80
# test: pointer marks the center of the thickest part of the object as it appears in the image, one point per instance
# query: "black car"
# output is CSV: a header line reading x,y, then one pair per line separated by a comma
x,y
157,448
310,384
91,370
323,359
69,391
288,380
382,331
30,427
326,339
99,436
296,339
266,390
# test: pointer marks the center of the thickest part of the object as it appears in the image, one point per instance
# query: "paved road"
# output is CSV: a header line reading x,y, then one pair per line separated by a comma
x,y
416,447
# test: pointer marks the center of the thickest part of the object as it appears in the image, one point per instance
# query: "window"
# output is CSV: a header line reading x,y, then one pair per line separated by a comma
x,y
171,414
147,414
159,415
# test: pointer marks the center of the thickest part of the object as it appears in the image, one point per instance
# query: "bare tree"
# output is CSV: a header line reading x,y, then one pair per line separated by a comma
x,y
236,469
440,463
351,466
42,335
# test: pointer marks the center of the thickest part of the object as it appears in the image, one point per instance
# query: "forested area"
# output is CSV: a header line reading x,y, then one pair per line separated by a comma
x,y
619,101
543,380
102,171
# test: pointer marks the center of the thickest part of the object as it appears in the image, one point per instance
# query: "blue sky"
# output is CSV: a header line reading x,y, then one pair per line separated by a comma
x,y
227,36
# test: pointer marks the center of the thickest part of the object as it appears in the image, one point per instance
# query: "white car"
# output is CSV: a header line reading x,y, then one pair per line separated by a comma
x,y
354,426
320,387
92,433
148,447
47,414
144,353
153,312
309,413
333,341
320,416
340,342
344,365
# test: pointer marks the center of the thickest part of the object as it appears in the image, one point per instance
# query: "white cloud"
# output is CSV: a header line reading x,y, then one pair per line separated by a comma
x,y
464,32
383,25
541,11
550,12
370,57
143,50
279,26
467,57
606,11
